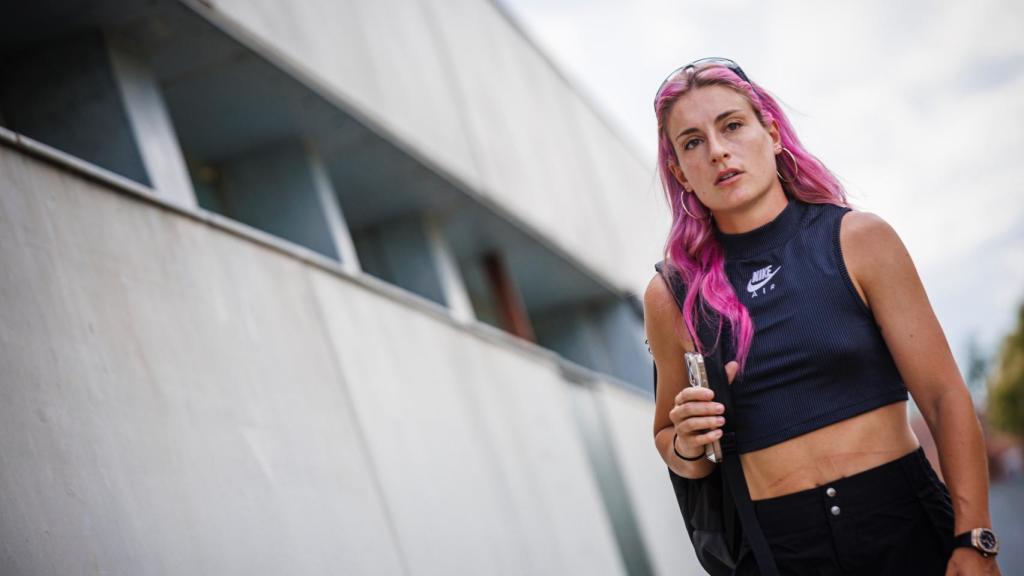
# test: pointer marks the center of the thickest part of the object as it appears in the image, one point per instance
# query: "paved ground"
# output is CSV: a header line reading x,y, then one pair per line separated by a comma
x,y
1007,506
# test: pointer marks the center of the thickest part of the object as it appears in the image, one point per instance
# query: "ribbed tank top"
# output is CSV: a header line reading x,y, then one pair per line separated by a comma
x,y
817,355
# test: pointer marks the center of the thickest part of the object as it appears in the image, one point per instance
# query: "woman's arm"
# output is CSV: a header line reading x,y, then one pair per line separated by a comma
x,y
661,319
884,274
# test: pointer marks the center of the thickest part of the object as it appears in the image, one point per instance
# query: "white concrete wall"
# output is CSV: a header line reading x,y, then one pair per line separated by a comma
x,y
464,89
179,399
630,422
171,401
479,460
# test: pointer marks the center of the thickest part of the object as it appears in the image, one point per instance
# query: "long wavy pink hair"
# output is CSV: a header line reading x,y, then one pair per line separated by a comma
x,y
691,248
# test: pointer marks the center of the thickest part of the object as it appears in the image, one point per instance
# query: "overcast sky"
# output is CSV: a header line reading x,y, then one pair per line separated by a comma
x,y
917,107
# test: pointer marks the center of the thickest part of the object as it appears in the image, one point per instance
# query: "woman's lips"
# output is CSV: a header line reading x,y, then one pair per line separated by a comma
x,y
730,180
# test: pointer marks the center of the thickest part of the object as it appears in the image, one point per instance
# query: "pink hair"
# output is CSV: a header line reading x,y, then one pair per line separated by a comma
x,y
691,248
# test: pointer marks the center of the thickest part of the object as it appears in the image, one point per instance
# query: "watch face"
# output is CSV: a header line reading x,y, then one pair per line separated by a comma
x,y
987,540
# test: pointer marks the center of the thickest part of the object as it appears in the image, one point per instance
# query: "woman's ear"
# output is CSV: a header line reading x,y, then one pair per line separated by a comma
x,y
773,132
678,173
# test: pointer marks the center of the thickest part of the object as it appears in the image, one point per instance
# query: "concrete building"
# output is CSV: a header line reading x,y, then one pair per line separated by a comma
x,y
319,288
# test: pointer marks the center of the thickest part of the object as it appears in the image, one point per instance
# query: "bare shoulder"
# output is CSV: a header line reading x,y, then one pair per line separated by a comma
x,y
658,296
662,316
865,229
867,238
659,302
872,250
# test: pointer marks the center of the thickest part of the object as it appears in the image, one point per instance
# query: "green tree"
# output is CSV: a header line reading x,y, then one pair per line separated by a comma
x,y
1006,386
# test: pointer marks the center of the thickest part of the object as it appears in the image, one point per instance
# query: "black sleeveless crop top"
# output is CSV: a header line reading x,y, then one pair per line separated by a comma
x,y
817,355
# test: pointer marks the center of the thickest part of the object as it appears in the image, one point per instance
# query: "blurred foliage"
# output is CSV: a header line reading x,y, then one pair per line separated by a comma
x,y
1006,386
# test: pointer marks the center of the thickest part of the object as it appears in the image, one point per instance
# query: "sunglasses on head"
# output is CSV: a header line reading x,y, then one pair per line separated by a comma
x,y
701,63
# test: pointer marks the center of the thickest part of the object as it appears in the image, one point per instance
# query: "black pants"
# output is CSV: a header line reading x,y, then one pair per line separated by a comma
x,y
896,518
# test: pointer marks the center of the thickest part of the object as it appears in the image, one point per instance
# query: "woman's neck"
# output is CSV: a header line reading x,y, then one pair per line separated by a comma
x,y
747,218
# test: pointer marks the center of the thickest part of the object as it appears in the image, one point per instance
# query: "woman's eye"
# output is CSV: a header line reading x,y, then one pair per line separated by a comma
x,y
691,143
733,125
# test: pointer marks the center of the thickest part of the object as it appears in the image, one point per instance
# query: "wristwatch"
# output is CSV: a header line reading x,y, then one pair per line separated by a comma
x,y
981,539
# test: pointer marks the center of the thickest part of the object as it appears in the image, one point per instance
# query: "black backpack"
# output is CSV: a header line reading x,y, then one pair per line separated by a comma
x,y
716,509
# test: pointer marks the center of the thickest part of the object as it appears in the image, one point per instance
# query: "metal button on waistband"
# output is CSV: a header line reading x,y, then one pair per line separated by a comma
x,y
835,510
831,492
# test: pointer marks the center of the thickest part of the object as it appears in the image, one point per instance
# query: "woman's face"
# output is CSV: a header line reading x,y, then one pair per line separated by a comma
x,y
714,129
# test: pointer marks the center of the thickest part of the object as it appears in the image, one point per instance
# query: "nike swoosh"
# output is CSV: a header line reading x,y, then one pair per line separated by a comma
x,y
751,287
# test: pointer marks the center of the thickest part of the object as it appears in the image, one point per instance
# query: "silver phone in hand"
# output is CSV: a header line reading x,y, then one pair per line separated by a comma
x,y
699,377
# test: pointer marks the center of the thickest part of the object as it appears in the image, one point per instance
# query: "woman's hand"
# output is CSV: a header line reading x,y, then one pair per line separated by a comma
x,y
967,562
697,419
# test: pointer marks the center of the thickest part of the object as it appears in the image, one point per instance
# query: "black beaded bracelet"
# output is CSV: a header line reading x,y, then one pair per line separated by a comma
x,y
688,459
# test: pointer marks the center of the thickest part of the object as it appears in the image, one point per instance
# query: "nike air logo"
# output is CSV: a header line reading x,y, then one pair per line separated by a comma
x,y
761,277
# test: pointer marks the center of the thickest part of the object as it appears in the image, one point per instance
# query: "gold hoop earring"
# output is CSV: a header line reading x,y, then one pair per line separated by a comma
x,y
682,202
796,167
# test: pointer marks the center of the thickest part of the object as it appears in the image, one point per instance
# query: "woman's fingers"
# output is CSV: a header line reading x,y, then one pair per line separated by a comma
x,y
706,438
692,442
697,419
694,394
701,424
691,409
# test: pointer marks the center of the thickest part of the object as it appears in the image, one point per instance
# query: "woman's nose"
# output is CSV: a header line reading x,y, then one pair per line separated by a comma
x,y
717,150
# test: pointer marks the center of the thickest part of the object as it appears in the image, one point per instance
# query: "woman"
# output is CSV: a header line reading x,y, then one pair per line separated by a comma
x,y
829,328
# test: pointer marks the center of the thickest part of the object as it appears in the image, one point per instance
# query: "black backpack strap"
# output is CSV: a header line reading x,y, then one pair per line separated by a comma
x,y
732,471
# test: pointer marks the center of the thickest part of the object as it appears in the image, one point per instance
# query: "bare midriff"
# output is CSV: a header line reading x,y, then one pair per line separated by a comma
x,y
829,453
